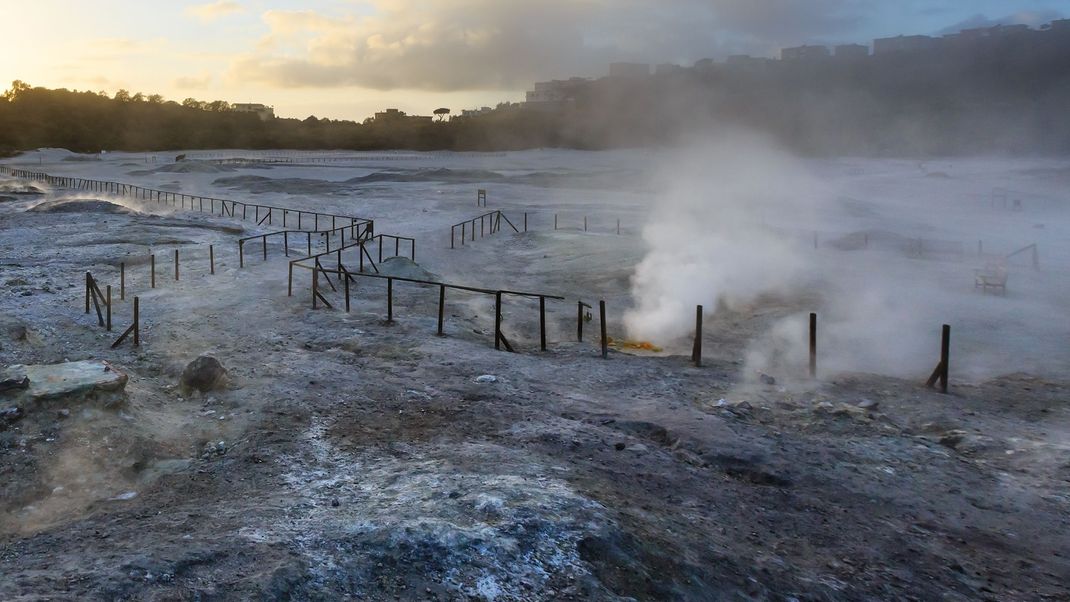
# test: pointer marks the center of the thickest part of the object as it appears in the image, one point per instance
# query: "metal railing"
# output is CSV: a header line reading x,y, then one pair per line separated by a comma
x,y
492,219
226,208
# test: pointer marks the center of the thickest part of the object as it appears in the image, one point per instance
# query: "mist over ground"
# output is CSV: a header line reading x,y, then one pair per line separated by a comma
x,y
349,454
884,252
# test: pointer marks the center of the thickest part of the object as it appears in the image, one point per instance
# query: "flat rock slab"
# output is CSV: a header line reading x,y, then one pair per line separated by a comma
x,y
70,379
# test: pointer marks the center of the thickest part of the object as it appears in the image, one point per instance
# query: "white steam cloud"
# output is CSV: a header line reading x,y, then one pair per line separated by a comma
x,y
709,239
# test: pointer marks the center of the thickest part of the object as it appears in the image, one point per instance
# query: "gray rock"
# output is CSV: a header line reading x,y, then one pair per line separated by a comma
x,y
67,380
9,416
203,374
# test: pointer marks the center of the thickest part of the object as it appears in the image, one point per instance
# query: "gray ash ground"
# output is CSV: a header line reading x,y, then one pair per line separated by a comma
x,y
352,459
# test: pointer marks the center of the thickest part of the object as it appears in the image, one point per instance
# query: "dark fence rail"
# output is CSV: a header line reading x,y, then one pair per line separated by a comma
x,y
345,277
226,208
491,220
358,232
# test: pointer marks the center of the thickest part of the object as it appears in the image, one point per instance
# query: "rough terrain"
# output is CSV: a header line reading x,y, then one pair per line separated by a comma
x,y
348,458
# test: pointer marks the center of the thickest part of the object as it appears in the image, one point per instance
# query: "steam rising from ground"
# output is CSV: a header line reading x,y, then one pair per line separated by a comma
x,y
733,228
708,237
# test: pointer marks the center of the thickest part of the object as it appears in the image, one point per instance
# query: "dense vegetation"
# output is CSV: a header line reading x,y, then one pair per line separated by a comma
x,y
1006,97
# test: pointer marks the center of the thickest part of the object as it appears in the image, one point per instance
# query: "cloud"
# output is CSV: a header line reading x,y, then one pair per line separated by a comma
x,y
490,44
207,13
193,82
1032,18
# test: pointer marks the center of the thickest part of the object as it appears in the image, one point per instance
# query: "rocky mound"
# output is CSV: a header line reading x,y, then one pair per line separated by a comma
x,y
8,187
184,167
80,206
403,267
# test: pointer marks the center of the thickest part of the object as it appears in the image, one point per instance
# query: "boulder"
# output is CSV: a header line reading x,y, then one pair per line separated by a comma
x,y
69,379
203,374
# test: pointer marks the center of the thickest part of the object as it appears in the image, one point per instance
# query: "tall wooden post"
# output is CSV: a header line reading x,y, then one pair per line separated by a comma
x,y
813,345
542,323
498,320
152,270
137,324
176,264
211,257
696,350
122,281
441,307
345,283
108,294
389,299
579,321
602,319
945,356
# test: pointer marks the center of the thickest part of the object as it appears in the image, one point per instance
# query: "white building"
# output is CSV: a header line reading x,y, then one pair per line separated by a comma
x,y
263,111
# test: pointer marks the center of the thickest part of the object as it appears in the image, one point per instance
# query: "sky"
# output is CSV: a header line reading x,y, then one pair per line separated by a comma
x,y
346,59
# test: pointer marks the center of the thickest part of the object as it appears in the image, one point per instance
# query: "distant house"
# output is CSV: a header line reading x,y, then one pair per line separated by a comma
x,y
743,62
667,68
805,53
476,112
395,116
629,70
264,112
555,94
851,51
904,44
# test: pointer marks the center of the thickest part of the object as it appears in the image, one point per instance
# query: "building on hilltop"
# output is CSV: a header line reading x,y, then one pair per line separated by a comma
x,y
851,51
394,116
667,68
632,70
264,112
556,94
743,62
904,44
475,112
804,53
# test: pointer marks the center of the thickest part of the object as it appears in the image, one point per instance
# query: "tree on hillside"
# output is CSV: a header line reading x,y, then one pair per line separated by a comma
x,y
17,87
441,113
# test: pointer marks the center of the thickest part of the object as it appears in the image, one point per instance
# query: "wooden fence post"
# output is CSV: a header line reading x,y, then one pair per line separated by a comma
x,y
390,300
542,323
579,321
813,345
441,307
602,318
696,350
941,372
498,320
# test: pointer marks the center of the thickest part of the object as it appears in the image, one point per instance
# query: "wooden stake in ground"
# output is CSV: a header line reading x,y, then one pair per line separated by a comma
x,y
941,372
696,350
813,345
605,339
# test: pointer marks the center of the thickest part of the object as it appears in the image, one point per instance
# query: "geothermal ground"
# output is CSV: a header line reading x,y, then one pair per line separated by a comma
x,y
351,458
